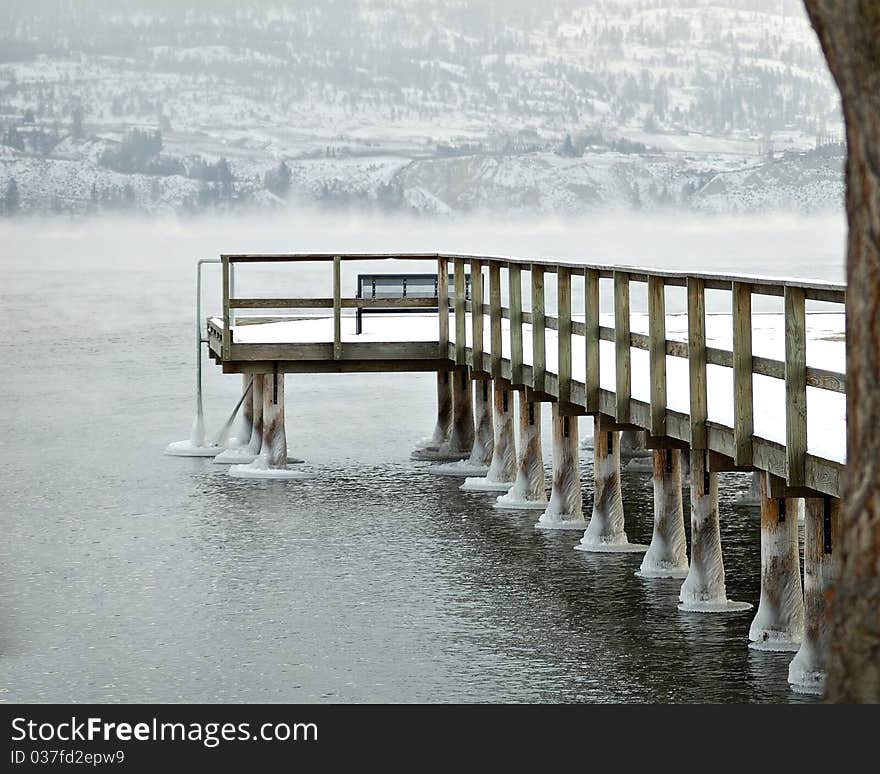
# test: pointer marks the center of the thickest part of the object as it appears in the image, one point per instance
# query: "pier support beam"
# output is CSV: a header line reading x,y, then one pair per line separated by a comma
x,y
484,437
566,508
502,470
806,673
667,554
454,432
779,622
753,496
527,491
256,442
428,448
243,452
461,436
247,412
704,589
633,454
605,532
272,459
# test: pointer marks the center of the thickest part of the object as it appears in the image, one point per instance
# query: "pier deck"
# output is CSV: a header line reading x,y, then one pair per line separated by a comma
x,y
762,391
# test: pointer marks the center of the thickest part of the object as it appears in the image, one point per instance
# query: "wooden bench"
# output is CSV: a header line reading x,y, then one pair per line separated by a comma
x,y
381,286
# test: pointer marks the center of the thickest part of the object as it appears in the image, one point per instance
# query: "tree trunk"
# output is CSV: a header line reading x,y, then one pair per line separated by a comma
x,y
849,31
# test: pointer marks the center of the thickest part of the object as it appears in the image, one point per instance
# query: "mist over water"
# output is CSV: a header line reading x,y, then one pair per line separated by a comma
x,y
129,576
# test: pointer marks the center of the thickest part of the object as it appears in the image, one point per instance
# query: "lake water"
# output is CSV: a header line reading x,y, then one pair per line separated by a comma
x,y
126,575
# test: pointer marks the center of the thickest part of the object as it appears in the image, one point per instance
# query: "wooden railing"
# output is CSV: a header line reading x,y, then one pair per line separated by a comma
x,y
506,274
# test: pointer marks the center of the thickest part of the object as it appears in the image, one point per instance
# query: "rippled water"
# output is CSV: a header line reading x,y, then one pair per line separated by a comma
x,y
130,576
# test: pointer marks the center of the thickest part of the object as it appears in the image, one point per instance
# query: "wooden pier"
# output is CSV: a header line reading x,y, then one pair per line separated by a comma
x,y
489,338
697,387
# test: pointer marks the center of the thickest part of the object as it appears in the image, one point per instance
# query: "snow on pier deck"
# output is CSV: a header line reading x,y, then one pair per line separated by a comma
x,y
764,391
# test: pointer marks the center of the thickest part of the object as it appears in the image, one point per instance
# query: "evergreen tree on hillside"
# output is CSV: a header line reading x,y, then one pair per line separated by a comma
x,y
12,197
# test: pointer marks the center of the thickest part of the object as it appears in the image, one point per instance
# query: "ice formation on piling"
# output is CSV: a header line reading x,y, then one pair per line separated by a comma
x,y
454,406
634,456
704,589
667,554
779,621
527,492
753,496
806,673
566,508
484,442
272,459
605,533
502,470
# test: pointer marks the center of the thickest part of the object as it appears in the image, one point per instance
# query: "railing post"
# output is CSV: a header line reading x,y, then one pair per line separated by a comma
x,y
623,382
232,293
460,313
563,303
227,332
795,386
591,338
539,365
657,352
477,320
516,340
443,305
495,317
696,298
337,308
743,403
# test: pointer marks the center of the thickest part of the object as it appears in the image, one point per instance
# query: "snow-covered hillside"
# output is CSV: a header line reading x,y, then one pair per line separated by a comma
x,y
438,107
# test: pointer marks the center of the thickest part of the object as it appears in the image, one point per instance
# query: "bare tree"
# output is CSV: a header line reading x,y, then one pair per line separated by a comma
x,y
849,31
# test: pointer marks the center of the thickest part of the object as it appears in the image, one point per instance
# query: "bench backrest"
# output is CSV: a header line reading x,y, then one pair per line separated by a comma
x,y
404,285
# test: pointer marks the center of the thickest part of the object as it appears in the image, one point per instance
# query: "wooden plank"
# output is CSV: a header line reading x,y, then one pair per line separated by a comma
x,y
591,339
443,305
281,303
657,353
460,318
372,350
795,386
826,380
390,303
722,463
477,320
563,303
696,298
337,308
495,317
743,399
623,369
514,276
539,359
329,366
768,367
227,330
640,341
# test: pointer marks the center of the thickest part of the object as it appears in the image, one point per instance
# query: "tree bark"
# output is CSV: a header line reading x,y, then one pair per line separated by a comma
x,y
849,32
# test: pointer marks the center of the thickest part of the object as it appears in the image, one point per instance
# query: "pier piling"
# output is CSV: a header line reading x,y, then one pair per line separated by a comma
x,y
779,621
605,532
502,470
667,554
806,673
704,589
566,508
528,491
